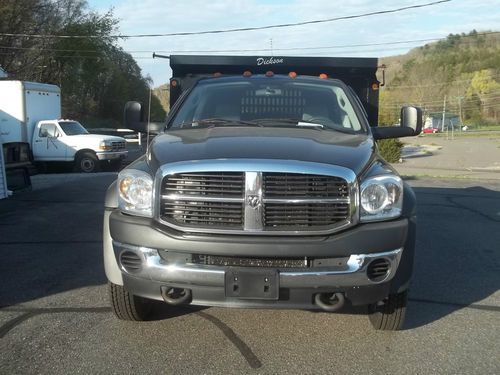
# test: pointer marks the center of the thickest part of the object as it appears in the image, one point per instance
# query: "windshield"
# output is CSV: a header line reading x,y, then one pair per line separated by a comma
x,y
72,128
268,102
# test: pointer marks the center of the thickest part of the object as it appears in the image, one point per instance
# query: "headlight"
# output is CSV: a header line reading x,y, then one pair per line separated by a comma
x,y
381,198
105,146
135,189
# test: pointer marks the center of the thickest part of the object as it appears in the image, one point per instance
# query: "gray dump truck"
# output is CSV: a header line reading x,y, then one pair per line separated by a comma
x,y
264,189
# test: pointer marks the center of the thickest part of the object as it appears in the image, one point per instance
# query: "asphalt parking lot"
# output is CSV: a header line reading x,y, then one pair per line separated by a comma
x,y
55,319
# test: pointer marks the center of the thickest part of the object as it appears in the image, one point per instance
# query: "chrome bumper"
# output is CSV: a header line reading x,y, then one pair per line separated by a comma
x,y
112,155
353,274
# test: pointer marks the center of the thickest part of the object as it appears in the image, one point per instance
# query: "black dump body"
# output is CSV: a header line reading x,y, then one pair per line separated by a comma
x,y
358,73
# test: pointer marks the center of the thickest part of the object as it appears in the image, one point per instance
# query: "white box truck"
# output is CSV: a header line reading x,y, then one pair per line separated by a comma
x,y
31,129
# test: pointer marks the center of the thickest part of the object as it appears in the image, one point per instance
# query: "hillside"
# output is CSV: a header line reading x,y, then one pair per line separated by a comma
x,y
163,94
462,69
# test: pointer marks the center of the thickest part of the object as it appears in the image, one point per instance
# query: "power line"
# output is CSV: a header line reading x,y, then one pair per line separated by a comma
x,y
255,49
380,12
322,47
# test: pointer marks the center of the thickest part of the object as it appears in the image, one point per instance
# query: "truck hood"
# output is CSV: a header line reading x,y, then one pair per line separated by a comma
x,y
311,145
96,138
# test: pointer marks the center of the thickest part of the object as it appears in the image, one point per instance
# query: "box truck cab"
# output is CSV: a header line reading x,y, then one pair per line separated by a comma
x,y
31,125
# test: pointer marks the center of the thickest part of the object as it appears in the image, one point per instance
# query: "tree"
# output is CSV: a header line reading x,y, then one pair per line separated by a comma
x,y
96,77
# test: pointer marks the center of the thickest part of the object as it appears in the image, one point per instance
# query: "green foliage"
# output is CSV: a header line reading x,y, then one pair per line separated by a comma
x,y
388,114
464,68
163,94
96,76
390,149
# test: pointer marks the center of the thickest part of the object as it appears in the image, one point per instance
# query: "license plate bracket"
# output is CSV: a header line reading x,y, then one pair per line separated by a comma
x,y
252,284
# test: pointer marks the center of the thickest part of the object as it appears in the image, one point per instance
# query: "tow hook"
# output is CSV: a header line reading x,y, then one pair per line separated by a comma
x,y
329,301
175,296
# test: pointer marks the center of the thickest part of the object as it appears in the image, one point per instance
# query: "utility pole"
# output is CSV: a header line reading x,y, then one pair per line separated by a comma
x,y
444,113
459,99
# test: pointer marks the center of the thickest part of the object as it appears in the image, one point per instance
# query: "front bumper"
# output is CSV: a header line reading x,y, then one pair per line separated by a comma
x,y
111,155
357,247
352,273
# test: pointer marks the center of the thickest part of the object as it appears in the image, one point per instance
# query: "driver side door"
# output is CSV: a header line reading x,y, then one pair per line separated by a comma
x,y
47,144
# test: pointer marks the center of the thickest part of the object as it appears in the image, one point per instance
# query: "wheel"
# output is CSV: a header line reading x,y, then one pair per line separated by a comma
x,y
87,162
126,306
389,314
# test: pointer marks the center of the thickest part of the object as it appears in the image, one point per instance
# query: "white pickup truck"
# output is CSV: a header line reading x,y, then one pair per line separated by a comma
x,y
69,141
26,110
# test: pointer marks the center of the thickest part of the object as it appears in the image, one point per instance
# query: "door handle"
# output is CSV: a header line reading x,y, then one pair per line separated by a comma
x,y
38,140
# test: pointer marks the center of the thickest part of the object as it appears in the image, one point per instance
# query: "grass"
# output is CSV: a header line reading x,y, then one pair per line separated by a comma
x,y
460,134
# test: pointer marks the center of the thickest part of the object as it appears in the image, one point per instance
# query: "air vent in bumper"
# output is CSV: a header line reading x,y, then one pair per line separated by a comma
x,y
130,261
378,269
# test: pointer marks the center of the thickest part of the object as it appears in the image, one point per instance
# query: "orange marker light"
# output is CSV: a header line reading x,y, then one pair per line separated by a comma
x,y
174,83
269,73
247,73
323,76
292,74
375,87
217,74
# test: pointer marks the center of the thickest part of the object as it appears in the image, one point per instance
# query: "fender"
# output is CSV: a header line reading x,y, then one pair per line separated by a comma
x,y
113,272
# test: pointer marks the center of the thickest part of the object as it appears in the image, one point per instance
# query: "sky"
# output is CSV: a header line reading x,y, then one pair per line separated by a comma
x,y
160,17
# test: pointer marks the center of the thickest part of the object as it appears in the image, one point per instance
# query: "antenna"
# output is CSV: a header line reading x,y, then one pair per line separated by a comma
x,y
149,118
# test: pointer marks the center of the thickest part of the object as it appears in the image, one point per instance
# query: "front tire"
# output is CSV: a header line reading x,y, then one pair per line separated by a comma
x,y
87,162
389,314
126,306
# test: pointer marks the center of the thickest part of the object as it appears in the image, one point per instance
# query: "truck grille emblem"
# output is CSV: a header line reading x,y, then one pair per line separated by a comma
x,y
253,201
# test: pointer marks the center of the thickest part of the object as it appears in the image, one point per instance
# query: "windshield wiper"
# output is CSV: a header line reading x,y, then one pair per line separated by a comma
x,y
290,121
213,122
307,124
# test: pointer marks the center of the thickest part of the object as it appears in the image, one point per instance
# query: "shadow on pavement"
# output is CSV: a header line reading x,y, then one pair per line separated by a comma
x,y
457,262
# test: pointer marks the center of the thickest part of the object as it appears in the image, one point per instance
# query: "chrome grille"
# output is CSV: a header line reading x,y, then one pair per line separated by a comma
x,y
118,145
296,185
303,216
187,199
298,201
203,214
228,184
237,199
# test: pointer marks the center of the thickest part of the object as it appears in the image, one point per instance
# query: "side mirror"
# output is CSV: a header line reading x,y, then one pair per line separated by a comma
x,y
134,119
134,116
411,125
411,117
